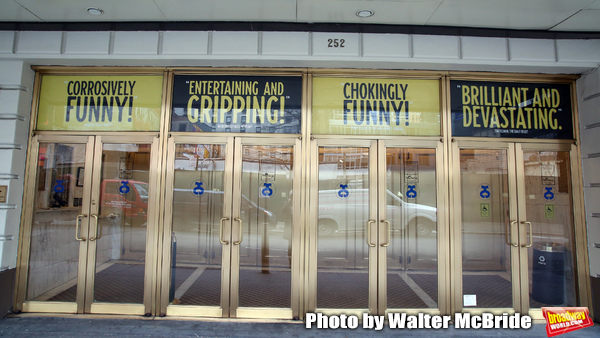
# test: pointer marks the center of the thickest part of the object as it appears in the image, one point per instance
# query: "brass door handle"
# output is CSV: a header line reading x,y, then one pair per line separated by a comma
x,y
530,235
97,229
241,231
77,225
369,233
389,232
221,231
509,233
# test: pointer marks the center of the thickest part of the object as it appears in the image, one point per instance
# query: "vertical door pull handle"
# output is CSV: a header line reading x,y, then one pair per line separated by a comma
x,y
509,233
369,233
221,231
77,225
241,231
528,245
97,229
389,232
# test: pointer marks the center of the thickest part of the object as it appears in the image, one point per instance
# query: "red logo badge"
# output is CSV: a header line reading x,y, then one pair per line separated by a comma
x,y
561,320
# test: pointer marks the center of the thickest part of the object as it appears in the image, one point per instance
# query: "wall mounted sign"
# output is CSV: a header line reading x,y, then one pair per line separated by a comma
x,y
237,104
521,110
100,102
353,106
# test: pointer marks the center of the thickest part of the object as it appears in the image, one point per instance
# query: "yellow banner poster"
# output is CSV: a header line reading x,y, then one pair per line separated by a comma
x,y
100,102
353,106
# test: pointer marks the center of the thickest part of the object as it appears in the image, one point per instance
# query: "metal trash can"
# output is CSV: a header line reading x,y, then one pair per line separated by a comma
x,y
548,280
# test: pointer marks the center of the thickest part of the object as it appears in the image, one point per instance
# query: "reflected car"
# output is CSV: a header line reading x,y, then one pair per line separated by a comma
x,y
190,210
129,200
349,212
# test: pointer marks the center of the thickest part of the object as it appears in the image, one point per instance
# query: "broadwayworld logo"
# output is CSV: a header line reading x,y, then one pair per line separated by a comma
x,y
561,320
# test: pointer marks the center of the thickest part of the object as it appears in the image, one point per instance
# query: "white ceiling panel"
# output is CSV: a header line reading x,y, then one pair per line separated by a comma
x,y
595,5
513,14
228,10
76,10
586,20
386,12
556,15
12,11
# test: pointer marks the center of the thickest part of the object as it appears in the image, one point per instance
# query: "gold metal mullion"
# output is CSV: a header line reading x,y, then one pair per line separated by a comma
x,y
443,243
26,224
297,219
311,231
381,226
372,231
456,298
152,231
230,252
167,203
516,216
93,205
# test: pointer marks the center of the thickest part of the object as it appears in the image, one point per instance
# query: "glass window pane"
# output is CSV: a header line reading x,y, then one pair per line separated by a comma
x,y
122,223
54,253
550,211
485,218
197,211
266,213
343,214
411,210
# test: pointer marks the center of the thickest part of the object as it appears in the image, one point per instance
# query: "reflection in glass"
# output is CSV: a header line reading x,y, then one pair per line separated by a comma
x,y
266,214
550,211
411,211
54,253
342,222
485,220
197,211
122,223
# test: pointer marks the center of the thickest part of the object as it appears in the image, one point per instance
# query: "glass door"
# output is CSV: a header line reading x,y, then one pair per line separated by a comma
x,y
546,227
232,213
89,217
517,226
376,225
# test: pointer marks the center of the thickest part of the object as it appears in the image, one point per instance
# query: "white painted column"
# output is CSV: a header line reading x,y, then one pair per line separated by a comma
x,y
16,85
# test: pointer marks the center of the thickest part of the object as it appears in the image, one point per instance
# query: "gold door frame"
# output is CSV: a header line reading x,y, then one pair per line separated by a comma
x,y
456,225
152,224
517,234
26,229
442,240
90,205
231,208
377,267
311,270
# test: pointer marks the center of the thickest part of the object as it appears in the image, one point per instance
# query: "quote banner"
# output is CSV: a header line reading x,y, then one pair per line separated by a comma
x,y
359,106
237,104
521,110
100,102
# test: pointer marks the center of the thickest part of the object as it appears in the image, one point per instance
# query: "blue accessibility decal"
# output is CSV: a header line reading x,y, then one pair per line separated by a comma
x,y
124,188
343,192
198,189
549,195
411,192
267,191
485,191
59,186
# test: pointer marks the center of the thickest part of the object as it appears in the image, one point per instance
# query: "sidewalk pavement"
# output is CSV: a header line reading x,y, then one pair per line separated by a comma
x,y
31,325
